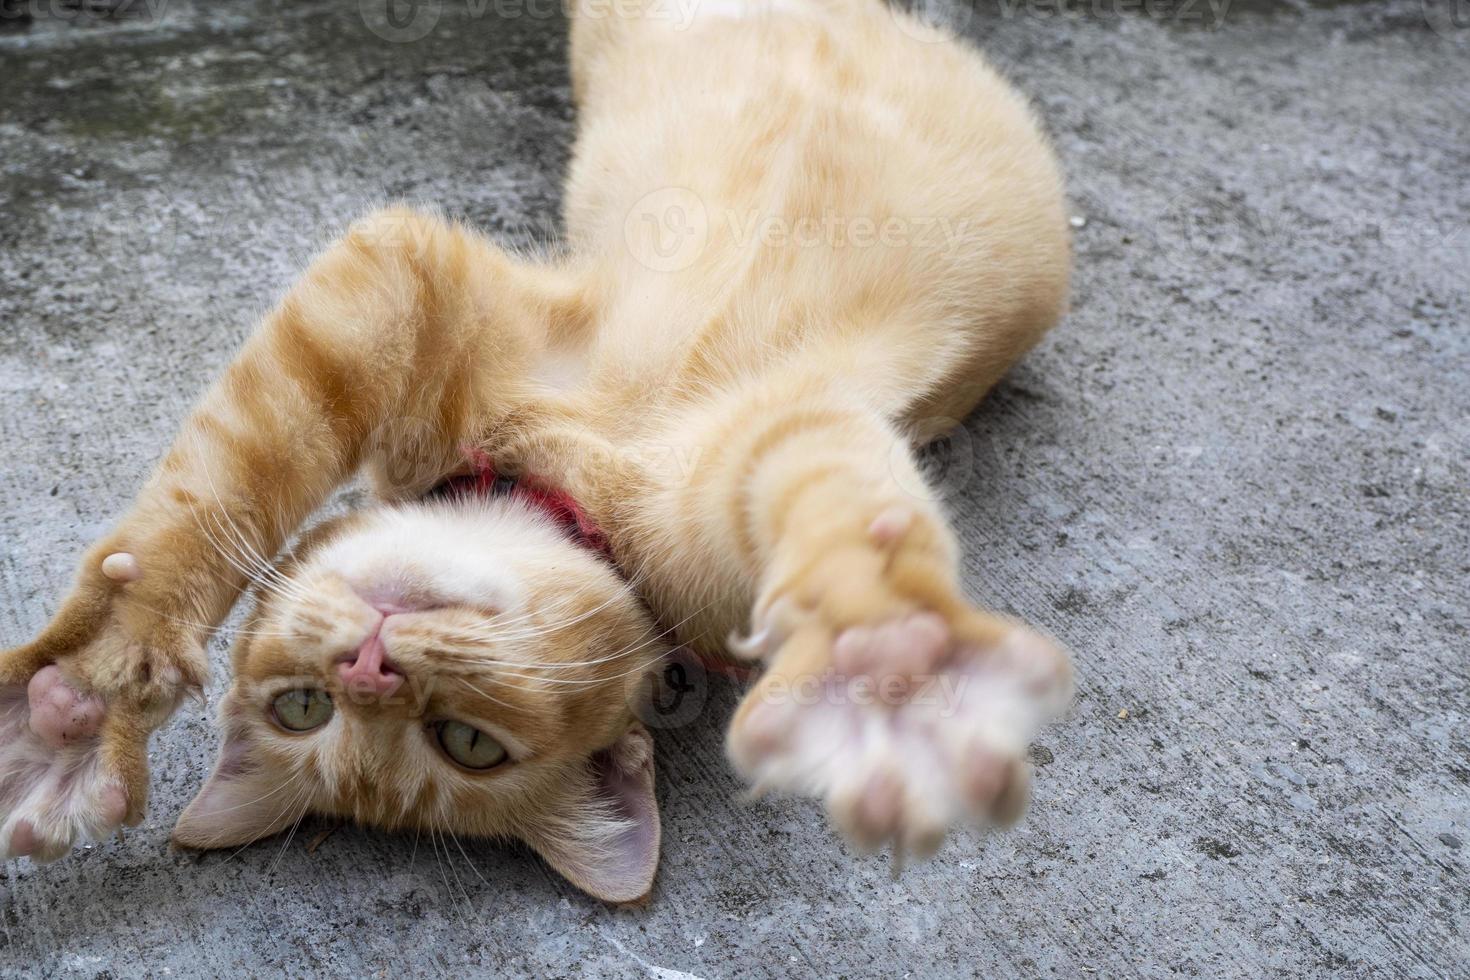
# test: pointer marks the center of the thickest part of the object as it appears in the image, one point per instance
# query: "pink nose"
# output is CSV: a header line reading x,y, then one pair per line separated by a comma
x,y
368,672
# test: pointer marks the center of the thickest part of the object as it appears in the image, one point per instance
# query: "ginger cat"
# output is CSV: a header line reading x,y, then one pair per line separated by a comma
x,y
801,231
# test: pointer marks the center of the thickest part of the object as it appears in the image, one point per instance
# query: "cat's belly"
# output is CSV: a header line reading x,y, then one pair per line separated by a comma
x,y
784,177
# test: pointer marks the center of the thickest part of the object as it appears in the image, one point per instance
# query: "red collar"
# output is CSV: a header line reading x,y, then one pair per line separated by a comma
x,y
555,503
483,481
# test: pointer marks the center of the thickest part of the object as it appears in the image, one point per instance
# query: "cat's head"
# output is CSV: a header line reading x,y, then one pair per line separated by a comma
x,y
453,666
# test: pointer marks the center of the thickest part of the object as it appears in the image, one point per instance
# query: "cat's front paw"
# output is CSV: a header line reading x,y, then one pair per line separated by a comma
x,y
54,787
906,710
76,709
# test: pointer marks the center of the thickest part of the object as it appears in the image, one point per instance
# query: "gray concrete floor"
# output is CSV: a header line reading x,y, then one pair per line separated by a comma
x,y
1234,482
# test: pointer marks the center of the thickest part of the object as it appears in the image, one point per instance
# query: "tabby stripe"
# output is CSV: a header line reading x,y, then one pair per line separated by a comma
x,y
773,437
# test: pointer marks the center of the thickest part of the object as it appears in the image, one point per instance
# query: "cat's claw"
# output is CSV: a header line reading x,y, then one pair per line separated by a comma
x,y
905,727
54,789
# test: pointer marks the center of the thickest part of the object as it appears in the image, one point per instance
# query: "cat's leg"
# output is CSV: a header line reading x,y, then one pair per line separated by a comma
x,y
396,339
886,692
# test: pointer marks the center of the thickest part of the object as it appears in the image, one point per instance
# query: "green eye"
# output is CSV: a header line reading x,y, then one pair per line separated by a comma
x,y
468,746
302,710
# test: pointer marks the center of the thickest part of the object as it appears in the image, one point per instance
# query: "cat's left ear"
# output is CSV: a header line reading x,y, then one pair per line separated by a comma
x,y
240,802
614,863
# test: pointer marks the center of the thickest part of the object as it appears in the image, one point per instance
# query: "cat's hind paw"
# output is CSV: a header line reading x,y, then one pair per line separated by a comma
x,y
55,789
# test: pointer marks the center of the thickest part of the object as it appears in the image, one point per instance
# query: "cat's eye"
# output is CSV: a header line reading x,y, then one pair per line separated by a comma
x,y
469,747
303,709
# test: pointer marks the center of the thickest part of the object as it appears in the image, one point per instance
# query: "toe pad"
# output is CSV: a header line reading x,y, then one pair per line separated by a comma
x,y
60,714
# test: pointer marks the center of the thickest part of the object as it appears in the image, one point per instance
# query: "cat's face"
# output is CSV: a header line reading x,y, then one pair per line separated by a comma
x,y
456,667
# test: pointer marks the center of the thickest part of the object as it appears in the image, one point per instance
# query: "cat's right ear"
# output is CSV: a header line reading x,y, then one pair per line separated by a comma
x,y
240,802
612,856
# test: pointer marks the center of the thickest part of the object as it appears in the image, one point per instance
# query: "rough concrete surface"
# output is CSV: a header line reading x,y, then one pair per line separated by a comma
x,y
1234,482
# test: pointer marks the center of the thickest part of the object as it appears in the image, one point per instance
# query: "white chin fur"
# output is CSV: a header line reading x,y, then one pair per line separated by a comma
x,y
462,551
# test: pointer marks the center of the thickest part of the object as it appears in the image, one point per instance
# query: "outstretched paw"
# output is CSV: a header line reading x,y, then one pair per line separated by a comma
x,y
906,710
54,787
909,729
76,708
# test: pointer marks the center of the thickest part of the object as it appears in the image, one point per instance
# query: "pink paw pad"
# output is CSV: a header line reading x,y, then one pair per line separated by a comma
x,y
879,809
60,714
984,777
767,727
890,526
23,839
913,645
